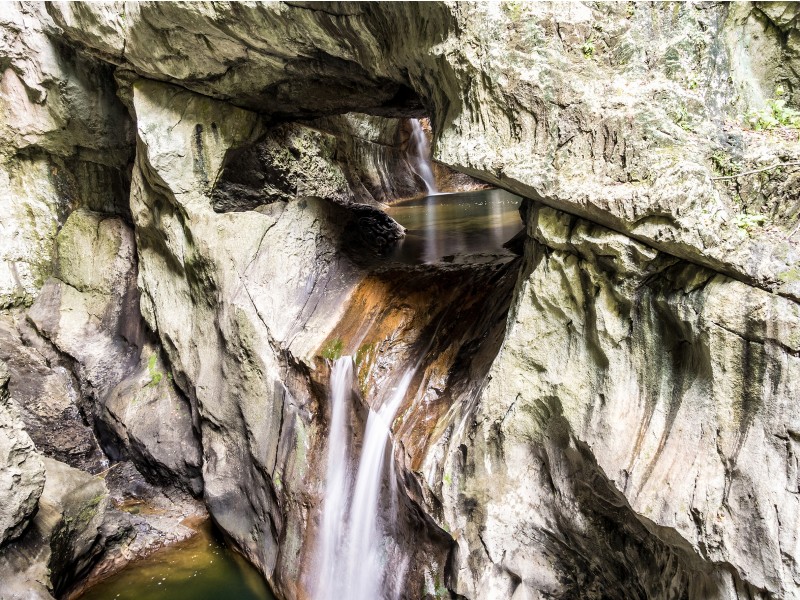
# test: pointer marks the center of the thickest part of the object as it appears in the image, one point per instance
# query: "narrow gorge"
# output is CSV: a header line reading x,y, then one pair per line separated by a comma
x,y
397,301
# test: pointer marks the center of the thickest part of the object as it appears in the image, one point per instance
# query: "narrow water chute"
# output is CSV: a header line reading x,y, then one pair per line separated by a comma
x,y
351,546
420,156
337,479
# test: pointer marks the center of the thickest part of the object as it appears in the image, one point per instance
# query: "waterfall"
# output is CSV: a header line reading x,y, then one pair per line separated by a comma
x,y
352,555
420,155
364,568
337,479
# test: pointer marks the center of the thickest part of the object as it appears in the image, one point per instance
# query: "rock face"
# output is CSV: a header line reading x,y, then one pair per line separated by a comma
x,y
630,429
63,536
643,406
581,109
90,311
236,319
47,396
350,158
66,141
22,473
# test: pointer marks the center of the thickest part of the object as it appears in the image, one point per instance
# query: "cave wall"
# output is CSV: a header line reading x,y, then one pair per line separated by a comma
x,y
636,420
613,112
636,434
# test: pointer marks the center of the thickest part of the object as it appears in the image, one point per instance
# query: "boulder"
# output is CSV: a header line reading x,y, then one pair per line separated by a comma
x,y
61,544
22,473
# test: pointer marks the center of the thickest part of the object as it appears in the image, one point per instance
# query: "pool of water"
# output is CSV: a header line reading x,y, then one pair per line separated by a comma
x,y
201,568
452,224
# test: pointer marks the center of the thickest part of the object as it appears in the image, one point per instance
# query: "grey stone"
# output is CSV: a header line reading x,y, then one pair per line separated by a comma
x,y
636,434
22,476
61,544
65,141
48,396
90,312
635,401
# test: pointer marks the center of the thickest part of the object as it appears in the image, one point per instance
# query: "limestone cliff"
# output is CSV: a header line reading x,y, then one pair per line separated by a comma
x,y
191,215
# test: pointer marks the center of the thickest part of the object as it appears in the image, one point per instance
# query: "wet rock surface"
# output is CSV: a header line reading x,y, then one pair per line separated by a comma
x,y
353,158
628,431
141,518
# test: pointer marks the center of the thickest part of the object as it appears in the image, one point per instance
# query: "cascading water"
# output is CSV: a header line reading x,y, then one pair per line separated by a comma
x,y
420,156
364,569
352,548
337,480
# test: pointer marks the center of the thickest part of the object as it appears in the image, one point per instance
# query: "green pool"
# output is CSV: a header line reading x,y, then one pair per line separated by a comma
x,y
202,568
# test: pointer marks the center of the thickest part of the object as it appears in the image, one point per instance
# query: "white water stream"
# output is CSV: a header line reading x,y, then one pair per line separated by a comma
x,y
420,155
352,546
337,480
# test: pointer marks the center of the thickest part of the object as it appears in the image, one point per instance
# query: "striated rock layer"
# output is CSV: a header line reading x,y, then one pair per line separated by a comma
x,y
639,419
613,113
629,430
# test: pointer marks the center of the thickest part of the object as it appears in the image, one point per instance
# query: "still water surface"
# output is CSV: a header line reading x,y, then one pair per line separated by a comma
x,y
201,568
450,224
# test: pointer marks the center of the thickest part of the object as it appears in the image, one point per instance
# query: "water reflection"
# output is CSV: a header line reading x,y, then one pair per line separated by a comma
x,y
451,224
201,568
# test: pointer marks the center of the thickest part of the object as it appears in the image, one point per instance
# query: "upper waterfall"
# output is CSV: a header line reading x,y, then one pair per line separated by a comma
x,y
419,152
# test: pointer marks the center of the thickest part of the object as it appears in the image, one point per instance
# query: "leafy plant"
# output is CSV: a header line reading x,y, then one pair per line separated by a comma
x,y
333,349
682,118
514,9
775,114
155,374
748,222
588,48
723,163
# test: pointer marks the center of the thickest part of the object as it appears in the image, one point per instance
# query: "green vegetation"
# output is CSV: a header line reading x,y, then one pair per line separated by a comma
x,y
588,48
333,349
749,222
362,360
155,374
790,276
441,592
775,114
723,163
514,9
76,522
683,119
447,479
363,352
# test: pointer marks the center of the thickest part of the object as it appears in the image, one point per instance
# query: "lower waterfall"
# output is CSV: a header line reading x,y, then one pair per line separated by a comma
x,y
353,546
337,480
